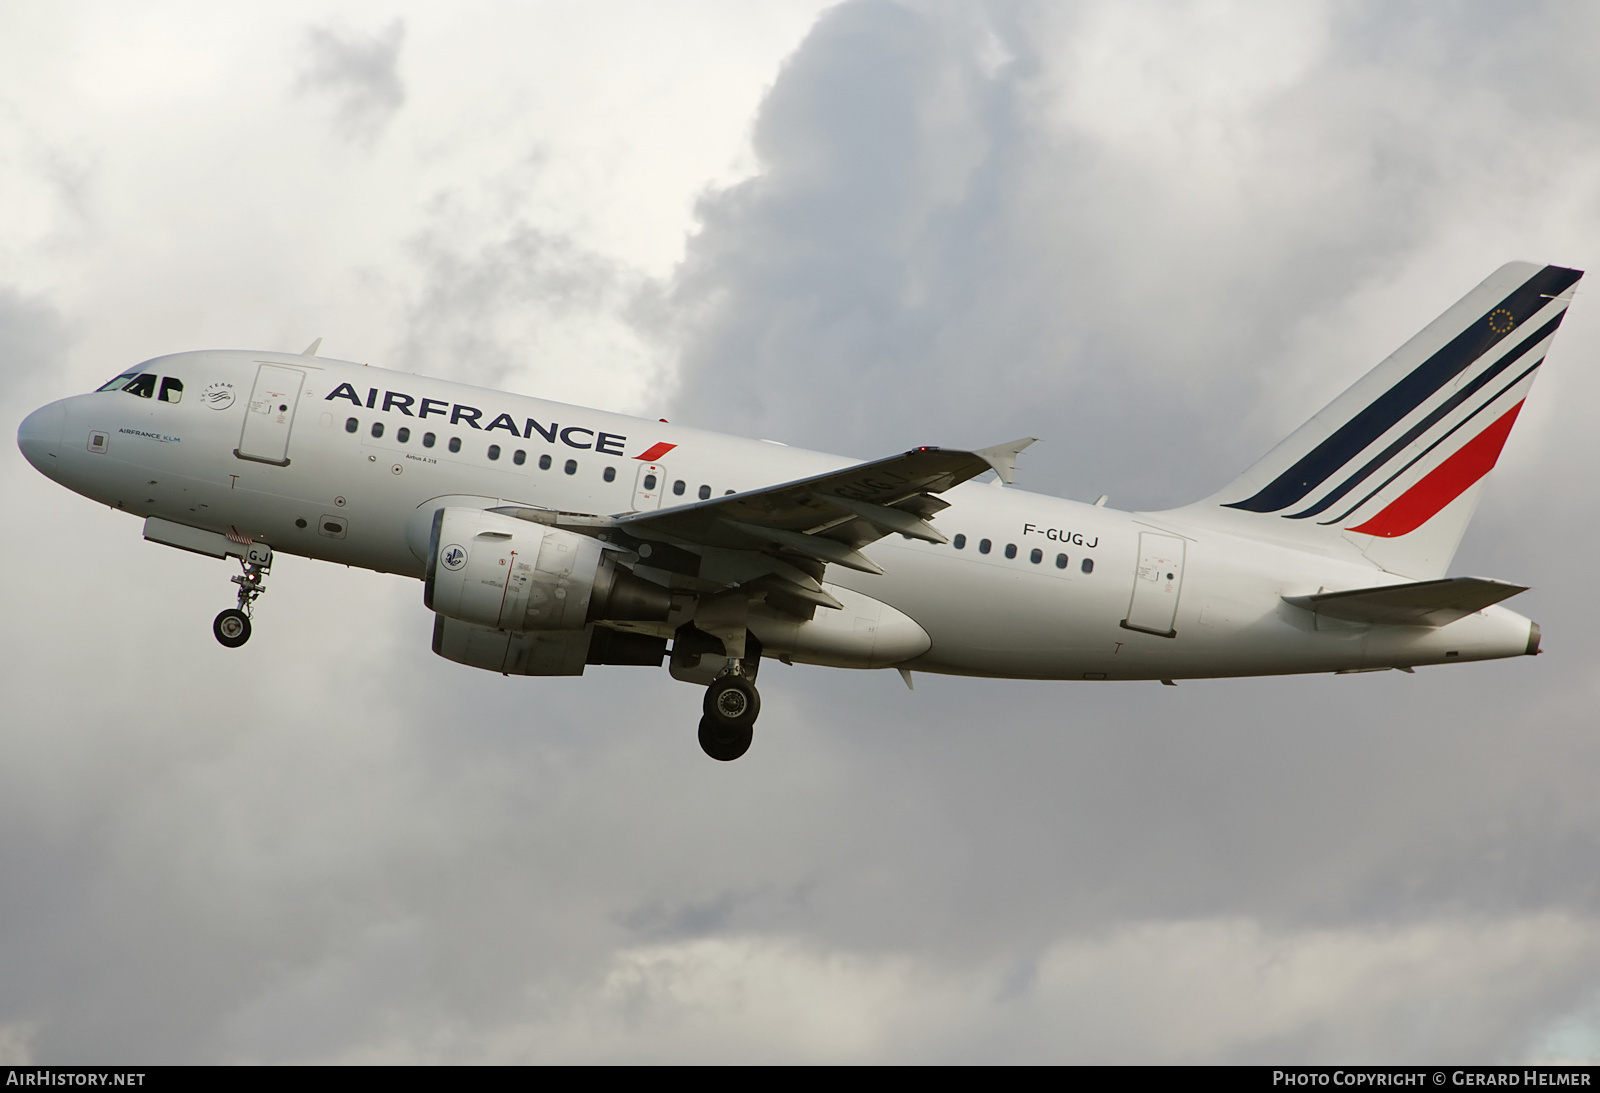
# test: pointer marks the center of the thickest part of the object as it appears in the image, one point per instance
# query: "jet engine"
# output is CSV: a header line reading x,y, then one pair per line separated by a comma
x,y
499,572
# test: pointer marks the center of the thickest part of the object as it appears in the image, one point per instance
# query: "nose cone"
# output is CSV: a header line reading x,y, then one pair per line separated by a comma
x,y
39,437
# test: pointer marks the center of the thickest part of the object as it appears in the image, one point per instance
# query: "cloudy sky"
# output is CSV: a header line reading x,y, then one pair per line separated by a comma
x,y
1156,236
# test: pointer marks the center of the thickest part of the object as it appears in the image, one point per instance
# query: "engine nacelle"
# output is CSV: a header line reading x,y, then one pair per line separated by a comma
x,y
508,574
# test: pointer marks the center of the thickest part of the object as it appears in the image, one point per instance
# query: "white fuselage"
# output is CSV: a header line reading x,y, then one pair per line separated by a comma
x,y
342,494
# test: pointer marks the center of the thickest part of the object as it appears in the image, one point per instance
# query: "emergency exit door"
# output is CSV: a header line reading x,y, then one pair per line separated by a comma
x,y
1156,584
648,487
270,415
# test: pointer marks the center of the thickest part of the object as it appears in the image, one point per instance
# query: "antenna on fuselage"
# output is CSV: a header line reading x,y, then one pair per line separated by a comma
x,y
311,350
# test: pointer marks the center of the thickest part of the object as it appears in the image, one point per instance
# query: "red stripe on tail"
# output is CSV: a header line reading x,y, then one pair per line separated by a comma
x,y
1444,483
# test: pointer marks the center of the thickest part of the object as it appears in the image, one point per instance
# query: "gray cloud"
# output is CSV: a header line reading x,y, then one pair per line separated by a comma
x,y
945,247
974,249
359,75
502,306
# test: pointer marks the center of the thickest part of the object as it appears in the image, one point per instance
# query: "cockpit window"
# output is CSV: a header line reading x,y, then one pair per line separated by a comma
x,y
171,389
117,384
144,386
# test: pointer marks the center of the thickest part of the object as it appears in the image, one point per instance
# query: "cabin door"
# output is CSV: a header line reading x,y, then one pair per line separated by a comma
x,y
270,415
1156,584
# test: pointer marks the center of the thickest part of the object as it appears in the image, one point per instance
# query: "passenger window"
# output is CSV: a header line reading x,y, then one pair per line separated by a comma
x,y
983,546
649,481
377,428
571,467
144,386
402,434
1011,550
1088,565
1037,556
519,457
610,474
1061,561
171,390
959,542
705,492
455,444
494,451
677,488
544,462
428,439
351,424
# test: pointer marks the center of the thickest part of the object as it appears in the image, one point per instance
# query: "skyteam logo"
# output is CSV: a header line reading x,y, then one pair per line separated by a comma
x,y
453,557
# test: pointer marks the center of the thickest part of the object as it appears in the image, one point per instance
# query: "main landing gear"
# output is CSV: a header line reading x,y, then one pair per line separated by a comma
x,y
232,627
731,706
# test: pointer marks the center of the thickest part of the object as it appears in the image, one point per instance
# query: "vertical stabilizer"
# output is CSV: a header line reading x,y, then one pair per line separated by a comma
x,y
1393,467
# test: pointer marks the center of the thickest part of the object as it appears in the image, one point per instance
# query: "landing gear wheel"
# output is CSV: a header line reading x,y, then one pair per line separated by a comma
x,y
732,701
722,742
232,628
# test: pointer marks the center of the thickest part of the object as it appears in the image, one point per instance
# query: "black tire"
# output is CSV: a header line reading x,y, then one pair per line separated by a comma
x,y
232,628
732,701
722,742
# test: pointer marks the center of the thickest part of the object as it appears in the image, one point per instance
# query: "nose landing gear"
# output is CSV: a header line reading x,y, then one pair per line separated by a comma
x,y
232,627
731,706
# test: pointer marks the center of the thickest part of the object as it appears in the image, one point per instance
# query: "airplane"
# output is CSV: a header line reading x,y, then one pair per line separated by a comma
x,y
550,537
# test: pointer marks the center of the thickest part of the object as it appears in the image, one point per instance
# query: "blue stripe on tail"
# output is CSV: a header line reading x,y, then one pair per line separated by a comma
x,y
1379,416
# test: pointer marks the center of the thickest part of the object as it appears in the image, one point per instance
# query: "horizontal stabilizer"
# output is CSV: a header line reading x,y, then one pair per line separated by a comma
x,y
1423,603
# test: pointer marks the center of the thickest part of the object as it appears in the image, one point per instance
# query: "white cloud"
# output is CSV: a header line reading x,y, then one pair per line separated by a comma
x,y
1206,991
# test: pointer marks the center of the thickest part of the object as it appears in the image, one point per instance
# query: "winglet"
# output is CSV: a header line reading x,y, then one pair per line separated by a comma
x,y
1003,457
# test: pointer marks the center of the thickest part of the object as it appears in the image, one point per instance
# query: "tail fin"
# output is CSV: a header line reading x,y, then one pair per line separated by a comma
x,y
1392,467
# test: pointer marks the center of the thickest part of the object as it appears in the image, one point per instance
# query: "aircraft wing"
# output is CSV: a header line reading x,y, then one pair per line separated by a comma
x,y
1422,603
829,517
